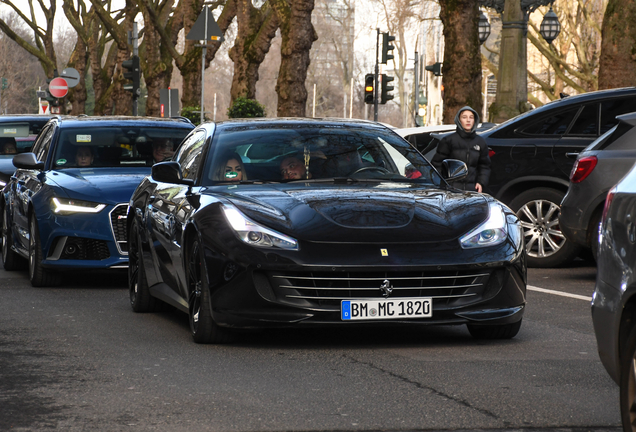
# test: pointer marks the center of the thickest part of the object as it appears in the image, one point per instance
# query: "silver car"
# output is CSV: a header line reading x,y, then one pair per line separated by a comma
x,y
597,168
614,299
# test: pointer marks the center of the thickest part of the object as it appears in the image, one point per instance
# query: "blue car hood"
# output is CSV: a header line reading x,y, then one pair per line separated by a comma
x,y
364,214
103,185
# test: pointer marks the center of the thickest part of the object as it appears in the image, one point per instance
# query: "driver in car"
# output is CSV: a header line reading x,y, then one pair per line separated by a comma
x,y
292,168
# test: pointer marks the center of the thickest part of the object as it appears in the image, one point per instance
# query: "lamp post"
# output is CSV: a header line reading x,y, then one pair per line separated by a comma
x,y
512,82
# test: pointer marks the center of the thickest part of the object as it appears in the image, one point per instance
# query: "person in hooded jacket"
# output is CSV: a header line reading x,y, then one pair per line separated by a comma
x,y
468,147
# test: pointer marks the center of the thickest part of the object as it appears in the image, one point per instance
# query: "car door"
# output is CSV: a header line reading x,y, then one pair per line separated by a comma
x,y
582,131
25,184
169,210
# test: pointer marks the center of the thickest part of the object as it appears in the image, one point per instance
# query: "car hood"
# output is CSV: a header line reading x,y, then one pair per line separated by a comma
x,y
364,214
104,185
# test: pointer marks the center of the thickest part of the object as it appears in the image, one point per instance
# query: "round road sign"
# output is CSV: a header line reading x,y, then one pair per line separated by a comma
x,y
58,87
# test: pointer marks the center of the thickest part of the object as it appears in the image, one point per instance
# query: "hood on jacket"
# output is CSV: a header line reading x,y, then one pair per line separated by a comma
x,y
458,123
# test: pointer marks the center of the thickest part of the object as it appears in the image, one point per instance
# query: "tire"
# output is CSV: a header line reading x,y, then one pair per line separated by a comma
x,y
628,383
204,329
39,276
505,331
10,259
546,246
140,298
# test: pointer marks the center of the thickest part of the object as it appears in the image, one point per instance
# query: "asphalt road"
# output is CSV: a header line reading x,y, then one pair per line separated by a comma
x,y
76,358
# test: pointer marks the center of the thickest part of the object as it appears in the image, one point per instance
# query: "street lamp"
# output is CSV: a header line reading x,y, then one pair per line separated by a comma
x,y
550,26
484,28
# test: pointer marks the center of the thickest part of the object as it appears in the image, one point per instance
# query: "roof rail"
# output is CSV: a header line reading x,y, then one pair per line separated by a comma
x,y
182,118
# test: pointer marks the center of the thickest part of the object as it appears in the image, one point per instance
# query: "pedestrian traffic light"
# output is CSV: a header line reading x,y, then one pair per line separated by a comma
x,y
369,83
386,88
133,74
386,47
436,68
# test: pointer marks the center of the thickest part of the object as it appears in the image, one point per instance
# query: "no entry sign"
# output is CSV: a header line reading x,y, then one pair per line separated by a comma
x,y
58,87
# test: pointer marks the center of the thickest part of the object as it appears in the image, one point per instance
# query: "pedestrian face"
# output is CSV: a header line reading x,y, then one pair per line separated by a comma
x,y
467,120
83,157
233,167
292,169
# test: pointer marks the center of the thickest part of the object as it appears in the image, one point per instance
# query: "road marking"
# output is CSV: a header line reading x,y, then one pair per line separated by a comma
x,y
559,293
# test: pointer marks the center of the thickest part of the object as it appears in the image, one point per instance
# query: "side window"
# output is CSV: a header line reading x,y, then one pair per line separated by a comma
x,y
587,121
42,145
556,124
190,154
612,108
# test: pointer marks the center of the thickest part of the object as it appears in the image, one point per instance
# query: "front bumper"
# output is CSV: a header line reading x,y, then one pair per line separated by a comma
x,y
85,241
256,298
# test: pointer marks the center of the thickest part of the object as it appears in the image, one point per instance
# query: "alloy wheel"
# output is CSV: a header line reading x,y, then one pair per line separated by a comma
x,y
540,222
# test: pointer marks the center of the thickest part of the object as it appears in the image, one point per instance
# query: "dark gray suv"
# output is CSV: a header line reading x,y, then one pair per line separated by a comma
x,y
597,168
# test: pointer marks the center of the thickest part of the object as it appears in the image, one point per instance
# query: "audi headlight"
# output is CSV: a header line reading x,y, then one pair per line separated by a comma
x,y
254,234
490,233
70,206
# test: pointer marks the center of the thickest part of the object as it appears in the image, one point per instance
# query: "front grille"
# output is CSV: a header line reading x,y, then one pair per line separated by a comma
x,y
79,248
447,288
118,224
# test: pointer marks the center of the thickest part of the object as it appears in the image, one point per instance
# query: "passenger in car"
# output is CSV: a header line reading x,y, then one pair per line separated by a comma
x,y
232,170
84,156
468,147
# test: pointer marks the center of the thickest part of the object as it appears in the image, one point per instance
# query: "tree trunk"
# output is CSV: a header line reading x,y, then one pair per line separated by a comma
x,y
298,34
77,94
462,58
618,48
256,29
155,59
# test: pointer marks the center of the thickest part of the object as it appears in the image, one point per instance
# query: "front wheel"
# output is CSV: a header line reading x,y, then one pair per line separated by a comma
x,y
204,329
538,210
39,276
138,290
505,331
10,259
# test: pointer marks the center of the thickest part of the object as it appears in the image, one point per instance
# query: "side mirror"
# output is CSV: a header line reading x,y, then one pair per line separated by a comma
x,y
169,172
453,169
27,161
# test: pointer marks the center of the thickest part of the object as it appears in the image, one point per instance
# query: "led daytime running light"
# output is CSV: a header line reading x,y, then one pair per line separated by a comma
x,y
76,206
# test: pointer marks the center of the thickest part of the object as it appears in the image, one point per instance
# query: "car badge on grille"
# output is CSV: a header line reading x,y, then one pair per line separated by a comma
x,y
386,288
384,252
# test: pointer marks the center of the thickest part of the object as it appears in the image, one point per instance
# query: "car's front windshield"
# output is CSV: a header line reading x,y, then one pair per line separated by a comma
x,y
313,153
116,146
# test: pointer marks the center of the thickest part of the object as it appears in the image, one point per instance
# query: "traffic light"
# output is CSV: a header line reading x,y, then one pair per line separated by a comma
x,y
369,83
386,47
436,68
133,74
5,83
386,88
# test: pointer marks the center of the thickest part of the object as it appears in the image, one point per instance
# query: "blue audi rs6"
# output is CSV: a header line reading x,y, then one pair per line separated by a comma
x,y
65,206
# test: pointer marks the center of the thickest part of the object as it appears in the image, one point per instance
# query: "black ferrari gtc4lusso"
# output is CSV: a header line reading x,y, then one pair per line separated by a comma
x,y
298,222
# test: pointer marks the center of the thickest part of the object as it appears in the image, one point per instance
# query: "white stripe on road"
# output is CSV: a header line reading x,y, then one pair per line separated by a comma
x,y
559,293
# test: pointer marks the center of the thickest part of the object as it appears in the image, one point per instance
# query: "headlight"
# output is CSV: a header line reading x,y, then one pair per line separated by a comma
x,y
69,206
257,235
490,233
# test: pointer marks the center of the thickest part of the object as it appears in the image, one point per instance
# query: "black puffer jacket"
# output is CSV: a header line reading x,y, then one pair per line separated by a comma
x,y
467,147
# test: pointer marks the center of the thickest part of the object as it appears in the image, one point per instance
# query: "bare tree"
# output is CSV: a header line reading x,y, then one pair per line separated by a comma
x,y
618,62
462,58
298,34
256,29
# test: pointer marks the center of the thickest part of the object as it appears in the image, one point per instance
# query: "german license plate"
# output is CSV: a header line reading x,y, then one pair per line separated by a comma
x,y
398,308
